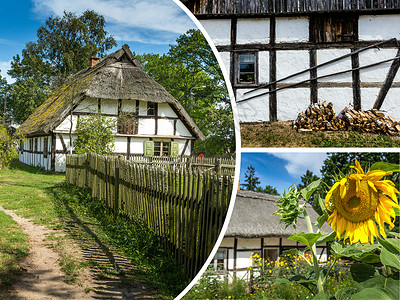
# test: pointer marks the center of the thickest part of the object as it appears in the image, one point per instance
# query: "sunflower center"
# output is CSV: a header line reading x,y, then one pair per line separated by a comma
x,y
357,205
354,202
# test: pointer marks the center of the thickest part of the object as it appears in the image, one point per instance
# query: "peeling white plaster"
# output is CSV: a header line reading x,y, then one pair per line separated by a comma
x,y
292,29
218,30
252,31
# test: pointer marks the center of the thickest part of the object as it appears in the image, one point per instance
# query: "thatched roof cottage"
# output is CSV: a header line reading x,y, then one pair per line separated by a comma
x,y
253,228
148,118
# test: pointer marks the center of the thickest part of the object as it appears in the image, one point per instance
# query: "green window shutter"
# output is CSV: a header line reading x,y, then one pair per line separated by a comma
x,y
174,149
148,148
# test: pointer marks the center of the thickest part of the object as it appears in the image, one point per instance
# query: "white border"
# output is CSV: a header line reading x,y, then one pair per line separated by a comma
x,y
238,148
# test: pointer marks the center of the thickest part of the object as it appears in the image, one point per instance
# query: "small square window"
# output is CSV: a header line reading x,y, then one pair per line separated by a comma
x,y
271,253
246,68
162,148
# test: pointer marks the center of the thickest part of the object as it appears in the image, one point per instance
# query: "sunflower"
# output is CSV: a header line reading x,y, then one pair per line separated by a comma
x,y
359,202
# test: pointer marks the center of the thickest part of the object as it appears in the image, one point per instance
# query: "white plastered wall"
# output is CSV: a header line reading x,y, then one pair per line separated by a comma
x,y
290,102
164,110
325,55
181,129
218,30
295,29
290,62
252,31
165,127
383,27
253,110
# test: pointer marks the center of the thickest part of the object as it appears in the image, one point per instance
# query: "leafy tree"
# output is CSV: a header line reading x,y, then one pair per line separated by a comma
x,y
3,90
252,181
63,47
8,146
95,134
269,189
190,72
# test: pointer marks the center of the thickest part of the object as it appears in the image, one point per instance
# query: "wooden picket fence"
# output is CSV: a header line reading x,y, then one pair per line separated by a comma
x,y
186,208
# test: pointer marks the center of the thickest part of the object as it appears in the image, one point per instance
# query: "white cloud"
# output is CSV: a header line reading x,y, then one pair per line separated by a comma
x,y
298,163
4,67
141,20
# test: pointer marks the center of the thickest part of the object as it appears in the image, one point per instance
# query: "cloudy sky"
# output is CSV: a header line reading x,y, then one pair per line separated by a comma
x,y
146,26
281,169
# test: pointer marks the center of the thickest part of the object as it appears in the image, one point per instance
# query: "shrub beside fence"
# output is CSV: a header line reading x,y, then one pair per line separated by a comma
x,y
185,207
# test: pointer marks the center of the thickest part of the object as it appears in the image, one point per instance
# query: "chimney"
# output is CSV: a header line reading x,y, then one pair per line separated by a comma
x,y
93,61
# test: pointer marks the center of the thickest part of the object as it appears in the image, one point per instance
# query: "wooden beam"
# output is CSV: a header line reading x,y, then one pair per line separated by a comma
x,y
355,64
273,114
388,82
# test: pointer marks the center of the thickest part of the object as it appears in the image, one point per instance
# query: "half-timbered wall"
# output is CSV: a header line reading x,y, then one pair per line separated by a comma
x,y
157,122
284,45
237,252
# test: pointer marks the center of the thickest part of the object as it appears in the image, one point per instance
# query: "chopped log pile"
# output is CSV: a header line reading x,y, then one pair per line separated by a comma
x,y
321,116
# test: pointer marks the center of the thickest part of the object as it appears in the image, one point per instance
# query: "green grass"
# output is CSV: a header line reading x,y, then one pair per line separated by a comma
x,y
13,247
281,134
47,199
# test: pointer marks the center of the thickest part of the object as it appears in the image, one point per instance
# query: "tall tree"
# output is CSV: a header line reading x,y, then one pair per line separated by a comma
x,y
63,47
269,189
190,72
250,179
3,98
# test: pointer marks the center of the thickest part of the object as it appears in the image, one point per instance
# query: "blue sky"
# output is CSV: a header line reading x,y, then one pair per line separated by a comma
x,y
281,169
146,26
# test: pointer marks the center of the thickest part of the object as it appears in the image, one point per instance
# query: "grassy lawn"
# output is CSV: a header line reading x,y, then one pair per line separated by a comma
x,y
281,134
13,246
74,215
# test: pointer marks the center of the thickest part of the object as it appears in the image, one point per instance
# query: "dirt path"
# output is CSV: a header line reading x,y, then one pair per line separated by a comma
x,y
42,278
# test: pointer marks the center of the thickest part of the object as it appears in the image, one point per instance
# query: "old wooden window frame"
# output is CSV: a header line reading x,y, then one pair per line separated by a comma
x,y
328,28
237,56
151,109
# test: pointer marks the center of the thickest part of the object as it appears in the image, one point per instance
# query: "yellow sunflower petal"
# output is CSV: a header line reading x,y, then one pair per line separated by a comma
x,y
376,175
343,182
357,167
381,224
373,230
341,226
329,195
371,185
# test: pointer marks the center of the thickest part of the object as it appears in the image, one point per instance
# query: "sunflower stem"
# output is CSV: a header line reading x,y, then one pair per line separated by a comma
x,y
314,252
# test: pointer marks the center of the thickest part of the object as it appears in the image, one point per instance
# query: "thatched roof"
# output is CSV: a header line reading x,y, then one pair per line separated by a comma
x,y
116,76
252,217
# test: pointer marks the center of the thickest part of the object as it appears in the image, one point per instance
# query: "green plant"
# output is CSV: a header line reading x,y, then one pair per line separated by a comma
x,y
95,134
365,195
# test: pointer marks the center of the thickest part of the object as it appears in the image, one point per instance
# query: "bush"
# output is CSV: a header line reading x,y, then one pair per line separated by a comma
x,y
8,147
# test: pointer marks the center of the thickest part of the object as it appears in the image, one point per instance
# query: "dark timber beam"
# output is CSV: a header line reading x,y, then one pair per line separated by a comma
x,y
388,82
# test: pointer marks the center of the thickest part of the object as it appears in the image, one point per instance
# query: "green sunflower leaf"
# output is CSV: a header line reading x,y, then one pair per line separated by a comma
x,y
372,293
362,272
390,259
308,239
321,296
328,237
392,245
385,167
310,189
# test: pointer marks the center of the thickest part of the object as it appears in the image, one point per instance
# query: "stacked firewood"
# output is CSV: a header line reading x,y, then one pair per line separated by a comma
x,y
321,116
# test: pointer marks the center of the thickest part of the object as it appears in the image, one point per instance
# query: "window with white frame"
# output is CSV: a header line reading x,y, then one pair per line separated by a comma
x,y
220,261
